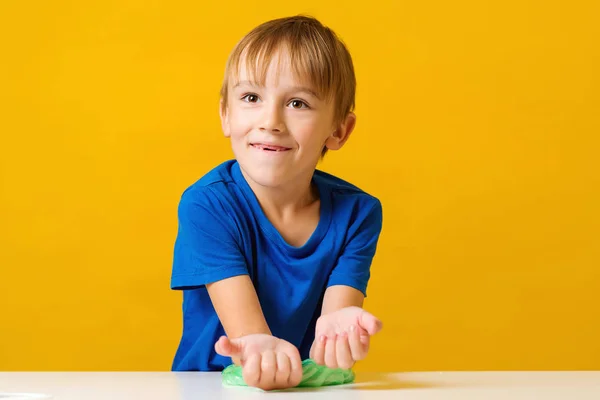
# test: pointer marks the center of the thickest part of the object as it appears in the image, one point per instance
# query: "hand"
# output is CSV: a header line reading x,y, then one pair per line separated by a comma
x,y
267,362
343,337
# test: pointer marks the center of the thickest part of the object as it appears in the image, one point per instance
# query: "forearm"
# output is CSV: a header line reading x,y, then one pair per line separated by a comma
x,y
237,306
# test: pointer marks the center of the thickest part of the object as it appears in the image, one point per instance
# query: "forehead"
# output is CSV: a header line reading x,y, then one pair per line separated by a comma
x,y
277,67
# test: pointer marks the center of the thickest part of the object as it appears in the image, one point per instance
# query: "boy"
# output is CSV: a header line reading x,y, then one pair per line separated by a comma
x,y
272,255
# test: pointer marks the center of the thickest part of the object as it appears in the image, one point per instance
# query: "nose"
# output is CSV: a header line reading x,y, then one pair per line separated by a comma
x,y
272,119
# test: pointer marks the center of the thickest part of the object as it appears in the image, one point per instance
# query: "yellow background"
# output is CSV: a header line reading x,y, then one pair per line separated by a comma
x,y
477,127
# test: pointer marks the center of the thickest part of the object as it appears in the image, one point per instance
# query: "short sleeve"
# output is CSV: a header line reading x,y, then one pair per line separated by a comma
x,y
353,267
206,249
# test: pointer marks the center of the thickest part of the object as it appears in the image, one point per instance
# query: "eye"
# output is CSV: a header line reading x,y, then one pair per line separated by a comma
x,y
298,104
250,98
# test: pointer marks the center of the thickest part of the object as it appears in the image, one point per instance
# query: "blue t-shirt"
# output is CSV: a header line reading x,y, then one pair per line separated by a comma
x,y
223,232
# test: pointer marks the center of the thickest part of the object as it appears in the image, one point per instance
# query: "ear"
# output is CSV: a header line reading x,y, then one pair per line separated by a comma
x,y
339,137
223,113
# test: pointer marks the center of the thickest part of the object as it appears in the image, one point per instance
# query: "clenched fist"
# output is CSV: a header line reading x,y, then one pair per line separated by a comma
x,y
267,362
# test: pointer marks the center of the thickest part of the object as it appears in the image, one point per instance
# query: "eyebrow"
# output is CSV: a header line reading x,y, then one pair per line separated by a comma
x,y
292,89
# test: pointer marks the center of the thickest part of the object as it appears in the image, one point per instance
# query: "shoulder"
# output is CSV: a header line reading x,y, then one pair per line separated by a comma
x,y
348,196
208,195
213,179
212,183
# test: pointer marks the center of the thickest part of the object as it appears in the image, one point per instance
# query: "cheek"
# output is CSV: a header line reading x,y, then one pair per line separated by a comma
x,y
240,124
310,133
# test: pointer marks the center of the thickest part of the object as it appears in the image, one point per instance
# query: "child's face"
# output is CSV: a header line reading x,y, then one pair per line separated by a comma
x,y
278,131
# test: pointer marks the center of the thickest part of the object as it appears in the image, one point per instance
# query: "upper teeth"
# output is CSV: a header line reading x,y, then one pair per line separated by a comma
x,y
270,148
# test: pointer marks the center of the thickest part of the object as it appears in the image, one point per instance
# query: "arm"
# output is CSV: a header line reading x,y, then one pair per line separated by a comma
x,y
353,267
238,308
347,284
268,362
208,253
343,330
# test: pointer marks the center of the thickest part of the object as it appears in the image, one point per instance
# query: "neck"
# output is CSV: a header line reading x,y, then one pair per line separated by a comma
x,y
280,201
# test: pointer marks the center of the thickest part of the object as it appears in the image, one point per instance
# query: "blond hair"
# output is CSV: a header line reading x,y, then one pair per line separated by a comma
x,y
316,54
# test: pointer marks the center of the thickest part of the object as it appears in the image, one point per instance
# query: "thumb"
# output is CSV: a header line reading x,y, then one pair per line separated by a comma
x,y
370,323
228,348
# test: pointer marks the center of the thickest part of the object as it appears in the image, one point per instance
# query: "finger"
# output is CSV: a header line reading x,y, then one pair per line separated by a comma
x,y
356,347
251,370
222,346
330,357
228,348
370,323
365,343
364,337
268,369
319,350
343,353
284,369
296,367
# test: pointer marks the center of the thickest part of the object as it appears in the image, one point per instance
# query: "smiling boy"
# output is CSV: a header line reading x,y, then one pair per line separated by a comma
x,y
273,256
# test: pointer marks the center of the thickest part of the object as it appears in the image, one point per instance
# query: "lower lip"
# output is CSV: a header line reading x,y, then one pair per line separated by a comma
x,y
272,152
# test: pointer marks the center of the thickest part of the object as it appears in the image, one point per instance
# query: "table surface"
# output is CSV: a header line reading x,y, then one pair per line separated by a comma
x,y
207,385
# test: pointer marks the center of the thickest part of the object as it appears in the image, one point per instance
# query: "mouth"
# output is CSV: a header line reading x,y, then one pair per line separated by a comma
x,y
270,147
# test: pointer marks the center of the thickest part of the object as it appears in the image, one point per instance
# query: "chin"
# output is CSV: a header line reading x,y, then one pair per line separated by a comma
x,y
265,175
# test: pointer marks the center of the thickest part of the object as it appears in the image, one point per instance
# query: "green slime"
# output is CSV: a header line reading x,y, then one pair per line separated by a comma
x,y
313,375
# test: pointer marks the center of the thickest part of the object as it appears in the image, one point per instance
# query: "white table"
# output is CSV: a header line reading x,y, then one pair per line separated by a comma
x,y
404,386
